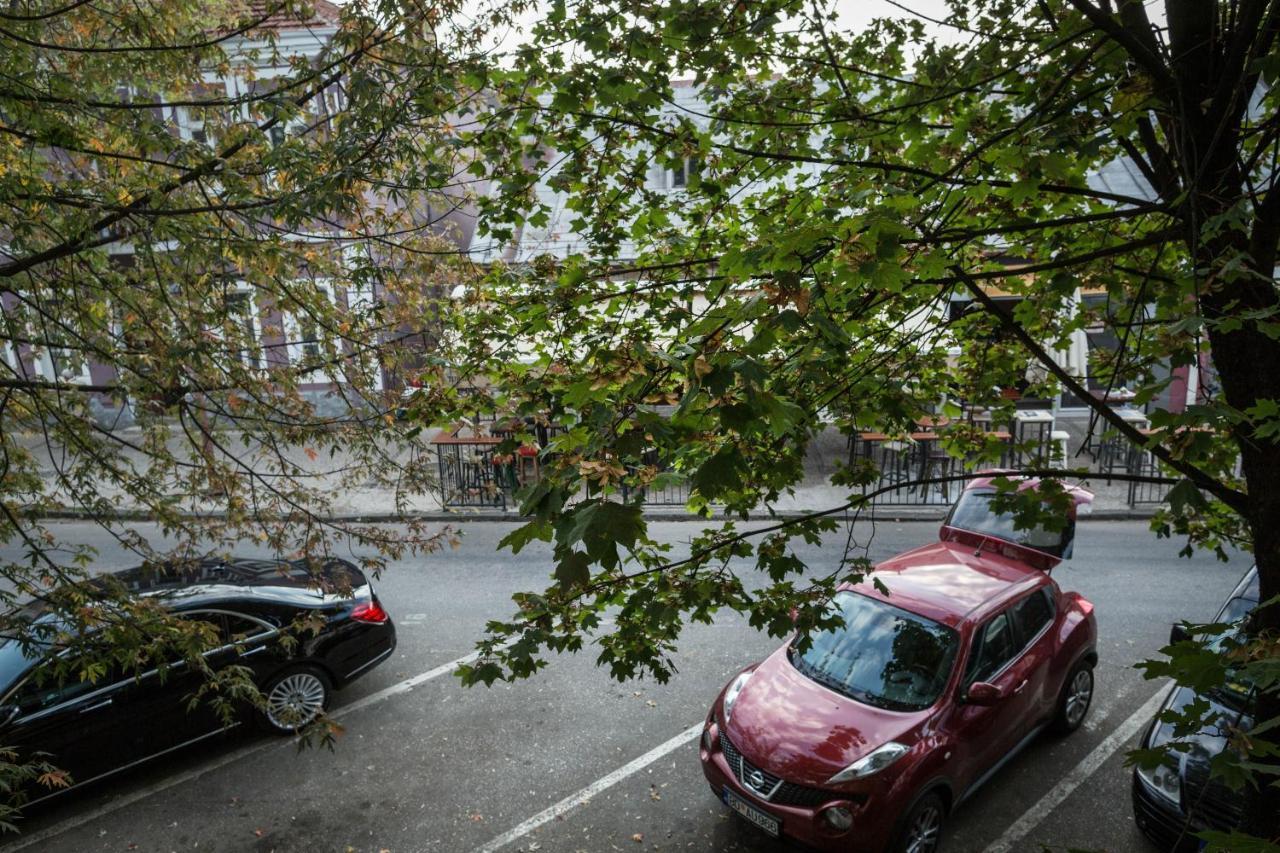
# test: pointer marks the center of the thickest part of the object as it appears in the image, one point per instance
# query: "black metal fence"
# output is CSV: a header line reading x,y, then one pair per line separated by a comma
x,y
472,474
667,489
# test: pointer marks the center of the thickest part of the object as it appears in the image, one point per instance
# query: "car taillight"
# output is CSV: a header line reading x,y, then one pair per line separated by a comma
x,y
369,611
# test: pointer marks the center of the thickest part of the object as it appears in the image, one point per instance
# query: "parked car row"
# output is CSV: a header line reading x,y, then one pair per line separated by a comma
x,y
865,738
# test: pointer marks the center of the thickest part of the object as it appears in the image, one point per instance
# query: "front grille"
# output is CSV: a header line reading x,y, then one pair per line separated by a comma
x,y
770,787
1210,804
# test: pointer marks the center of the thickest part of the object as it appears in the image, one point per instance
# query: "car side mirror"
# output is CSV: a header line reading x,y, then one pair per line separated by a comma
x,y
1178,633
983,693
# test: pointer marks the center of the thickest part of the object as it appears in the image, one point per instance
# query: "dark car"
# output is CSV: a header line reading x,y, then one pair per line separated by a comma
x,y
91,729
1177,799
946,665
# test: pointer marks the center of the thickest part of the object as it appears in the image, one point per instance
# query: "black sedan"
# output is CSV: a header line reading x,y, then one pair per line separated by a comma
x,y
93,728
1178,798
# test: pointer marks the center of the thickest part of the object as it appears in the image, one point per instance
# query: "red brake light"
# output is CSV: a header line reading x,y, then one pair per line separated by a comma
x,y
369,611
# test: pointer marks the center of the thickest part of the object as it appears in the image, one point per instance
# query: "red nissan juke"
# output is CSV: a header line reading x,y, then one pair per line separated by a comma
x,y
871,737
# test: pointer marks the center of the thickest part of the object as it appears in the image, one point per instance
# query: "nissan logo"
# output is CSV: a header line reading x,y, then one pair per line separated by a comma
x,y
756,780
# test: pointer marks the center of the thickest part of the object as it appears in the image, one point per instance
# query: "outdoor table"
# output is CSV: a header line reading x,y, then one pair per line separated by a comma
x,y
1115,451
921,453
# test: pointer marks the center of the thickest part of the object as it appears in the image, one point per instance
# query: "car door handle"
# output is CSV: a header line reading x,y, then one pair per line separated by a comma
x,y
253,651
104,703
1020,687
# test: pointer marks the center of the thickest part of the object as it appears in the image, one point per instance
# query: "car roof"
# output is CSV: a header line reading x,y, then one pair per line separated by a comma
x,y
190,584
951,582
194,583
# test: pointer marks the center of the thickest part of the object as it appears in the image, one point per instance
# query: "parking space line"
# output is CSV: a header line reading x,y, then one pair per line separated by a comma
x,y
1033,816
582,797
115,805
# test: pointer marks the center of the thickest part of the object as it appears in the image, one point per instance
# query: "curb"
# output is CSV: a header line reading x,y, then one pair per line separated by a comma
x,y
892,514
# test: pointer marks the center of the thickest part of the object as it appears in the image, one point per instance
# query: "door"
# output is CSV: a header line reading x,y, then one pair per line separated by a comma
x,y
986,733
1035,615
82,726
174,707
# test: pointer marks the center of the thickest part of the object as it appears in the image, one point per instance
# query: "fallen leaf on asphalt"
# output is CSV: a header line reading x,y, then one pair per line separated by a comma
x,y
653,793
476,818
258,832
638,837
651,703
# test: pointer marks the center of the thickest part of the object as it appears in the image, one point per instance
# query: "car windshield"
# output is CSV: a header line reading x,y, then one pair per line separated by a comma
x,y
973,512
1239,685
15,660
881,656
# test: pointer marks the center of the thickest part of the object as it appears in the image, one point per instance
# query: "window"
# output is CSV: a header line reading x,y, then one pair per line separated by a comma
x,y
973,512
681,176
42,691
62,364
994,647
1034,612
242,320
304,335
882,656
240,629
57,351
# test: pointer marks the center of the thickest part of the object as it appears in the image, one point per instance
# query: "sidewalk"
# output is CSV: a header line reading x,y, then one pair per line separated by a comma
x,y
374,506
354,499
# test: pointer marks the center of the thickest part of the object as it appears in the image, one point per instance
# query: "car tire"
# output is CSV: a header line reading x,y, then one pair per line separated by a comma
x,y
1075,699
920,830
294,698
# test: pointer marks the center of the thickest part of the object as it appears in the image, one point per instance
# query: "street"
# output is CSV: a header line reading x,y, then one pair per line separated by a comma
x,y
571,760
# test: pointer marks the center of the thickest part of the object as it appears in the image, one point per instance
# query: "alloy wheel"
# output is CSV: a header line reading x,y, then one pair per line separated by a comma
x,y
295,700
925,829
1078,697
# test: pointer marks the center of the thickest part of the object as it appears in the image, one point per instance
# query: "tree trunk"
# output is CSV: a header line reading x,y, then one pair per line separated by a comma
x,y
1248,365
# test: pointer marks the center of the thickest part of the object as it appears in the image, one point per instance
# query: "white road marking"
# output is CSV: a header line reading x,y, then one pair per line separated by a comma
x,y
1032,817
584,796
115,805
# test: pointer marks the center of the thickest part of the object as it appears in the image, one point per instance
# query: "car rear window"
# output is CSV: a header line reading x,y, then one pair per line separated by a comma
x,y
882,655
973,512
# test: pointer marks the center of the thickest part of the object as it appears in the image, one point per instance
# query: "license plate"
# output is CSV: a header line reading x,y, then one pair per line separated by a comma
x,y
767,822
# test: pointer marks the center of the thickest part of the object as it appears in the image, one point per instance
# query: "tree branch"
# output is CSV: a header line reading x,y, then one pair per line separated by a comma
x,y
1238,501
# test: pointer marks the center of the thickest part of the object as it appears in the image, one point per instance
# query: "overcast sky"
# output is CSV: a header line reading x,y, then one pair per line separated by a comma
x,y
853,15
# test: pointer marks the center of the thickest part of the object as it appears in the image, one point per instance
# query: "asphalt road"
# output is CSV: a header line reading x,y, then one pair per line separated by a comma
x,y
431,766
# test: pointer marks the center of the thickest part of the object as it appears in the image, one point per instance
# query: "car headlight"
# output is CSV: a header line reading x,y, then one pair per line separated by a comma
x,y
731,695
871,763
1164,780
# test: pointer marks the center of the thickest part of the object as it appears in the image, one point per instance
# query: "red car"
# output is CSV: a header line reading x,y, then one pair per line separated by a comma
x,y
868,740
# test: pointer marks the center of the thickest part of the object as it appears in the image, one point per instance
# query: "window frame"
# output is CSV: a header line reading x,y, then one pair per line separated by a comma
x,y
224,628
292,325
253,356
